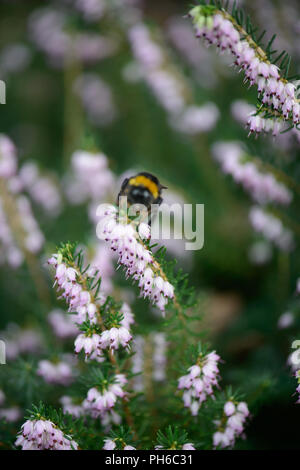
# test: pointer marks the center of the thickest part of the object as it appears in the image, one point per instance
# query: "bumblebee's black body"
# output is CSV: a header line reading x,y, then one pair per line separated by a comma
x,y
143,188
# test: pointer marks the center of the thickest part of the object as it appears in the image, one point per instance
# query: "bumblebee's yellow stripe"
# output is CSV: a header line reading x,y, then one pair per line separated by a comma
x,y
144,181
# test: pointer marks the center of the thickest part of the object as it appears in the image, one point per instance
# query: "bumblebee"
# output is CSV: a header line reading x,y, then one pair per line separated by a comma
x,y
143,188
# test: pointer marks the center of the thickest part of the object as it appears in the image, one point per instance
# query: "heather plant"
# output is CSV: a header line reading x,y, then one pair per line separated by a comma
x,y
111,338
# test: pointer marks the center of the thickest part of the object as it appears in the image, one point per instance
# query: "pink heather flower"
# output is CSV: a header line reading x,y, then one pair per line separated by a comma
x,y
98,403
48,30
92,10
8,157
102,260
79,300
63,324
271,228
88,344
188,446
263,187
297,375
41,188
285,320
114,338
109,444
11,415
218,30
21,341
243,408
235,417
91,178
144,231
33,238
43,435
159,356
138,344
199,382
256,124
128,319
165,85
221,439
135,257
59,373
229,408
97,99
197,119
69,407
241,111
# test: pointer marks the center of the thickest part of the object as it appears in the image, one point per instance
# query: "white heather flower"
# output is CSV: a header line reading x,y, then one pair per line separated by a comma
x,y
233,423
199,382
43,435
